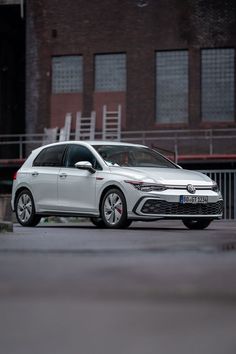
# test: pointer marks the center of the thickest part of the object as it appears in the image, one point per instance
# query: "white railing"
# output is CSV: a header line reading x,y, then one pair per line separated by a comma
x,y
205,141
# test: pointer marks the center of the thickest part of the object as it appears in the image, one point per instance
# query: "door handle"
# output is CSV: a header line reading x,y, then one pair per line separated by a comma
x,y
63,175
35,173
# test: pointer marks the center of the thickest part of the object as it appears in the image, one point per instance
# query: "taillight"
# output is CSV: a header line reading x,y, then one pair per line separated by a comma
x,y
14,176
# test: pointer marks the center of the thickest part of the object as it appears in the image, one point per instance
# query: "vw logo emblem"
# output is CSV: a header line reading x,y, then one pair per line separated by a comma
x,y
191,189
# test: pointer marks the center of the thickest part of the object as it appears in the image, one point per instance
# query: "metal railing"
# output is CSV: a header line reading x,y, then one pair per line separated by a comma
x,y
205,141
226,180
21,142
181,142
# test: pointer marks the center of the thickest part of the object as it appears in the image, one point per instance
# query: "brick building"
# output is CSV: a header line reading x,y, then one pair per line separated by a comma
x,y
170,63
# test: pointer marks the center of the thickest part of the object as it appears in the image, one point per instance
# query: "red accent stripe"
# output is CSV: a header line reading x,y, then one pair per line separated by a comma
x,y
207,157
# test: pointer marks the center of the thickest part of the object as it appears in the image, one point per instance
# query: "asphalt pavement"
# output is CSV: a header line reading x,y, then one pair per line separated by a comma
x,y
153,288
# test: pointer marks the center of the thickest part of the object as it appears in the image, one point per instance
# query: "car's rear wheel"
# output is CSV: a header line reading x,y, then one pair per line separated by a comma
x,y
114,210
25,209
196,224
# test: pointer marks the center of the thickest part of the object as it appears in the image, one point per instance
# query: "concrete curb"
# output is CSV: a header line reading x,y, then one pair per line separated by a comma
x,y
6,226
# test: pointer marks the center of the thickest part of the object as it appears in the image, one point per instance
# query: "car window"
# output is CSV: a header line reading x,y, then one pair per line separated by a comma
x,y
51,156
77,153
132,156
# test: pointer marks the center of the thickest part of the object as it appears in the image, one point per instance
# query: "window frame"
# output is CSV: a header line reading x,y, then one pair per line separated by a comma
x,y
161,121
99,90
66,154
71,90
44,151
204,118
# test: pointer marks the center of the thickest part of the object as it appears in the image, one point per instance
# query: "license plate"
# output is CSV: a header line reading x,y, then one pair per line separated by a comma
x,y
192,199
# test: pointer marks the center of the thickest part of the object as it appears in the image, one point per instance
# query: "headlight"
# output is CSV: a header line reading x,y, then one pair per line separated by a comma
x,y
147,187
215,187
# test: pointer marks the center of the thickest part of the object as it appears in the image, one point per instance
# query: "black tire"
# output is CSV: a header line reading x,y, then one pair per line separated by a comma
x,y
25,209
127,224
196,224
98,222
114,210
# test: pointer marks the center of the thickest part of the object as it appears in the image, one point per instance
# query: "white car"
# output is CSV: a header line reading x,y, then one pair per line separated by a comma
x,y
113,184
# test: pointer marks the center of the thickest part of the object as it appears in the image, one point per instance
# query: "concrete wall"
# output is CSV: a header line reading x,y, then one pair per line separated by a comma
x,y
5,207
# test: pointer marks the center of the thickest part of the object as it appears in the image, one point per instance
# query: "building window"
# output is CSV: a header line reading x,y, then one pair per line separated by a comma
x,y
110,72
217,81
172,86
67,74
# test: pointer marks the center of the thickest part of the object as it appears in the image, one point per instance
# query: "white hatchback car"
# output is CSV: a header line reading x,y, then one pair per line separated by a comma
x,y
113,184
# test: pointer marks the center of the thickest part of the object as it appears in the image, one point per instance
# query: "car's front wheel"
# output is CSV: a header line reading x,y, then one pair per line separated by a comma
x,y
25,209
114,210
196,224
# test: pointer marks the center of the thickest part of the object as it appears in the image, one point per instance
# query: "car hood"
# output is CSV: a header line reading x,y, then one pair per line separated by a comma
x,y
170,176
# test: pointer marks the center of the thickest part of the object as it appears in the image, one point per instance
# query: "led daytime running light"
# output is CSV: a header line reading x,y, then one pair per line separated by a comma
x,y
147,187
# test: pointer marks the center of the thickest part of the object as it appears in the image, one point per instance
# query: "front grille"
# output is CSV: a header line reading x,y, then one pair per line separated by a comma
x,y
153,206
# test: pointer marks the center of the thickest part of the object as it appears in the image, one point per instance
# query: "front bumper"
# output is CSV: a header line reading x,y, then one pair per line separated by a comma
x,y
153,207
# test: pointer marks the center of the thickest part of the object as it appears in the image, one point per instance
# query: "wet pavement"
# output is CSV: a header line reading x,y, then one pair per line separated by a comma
x,y
153,288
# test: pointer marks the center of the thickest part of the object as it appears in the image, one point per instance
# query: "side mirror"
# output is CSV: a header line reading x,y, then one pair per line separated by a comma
x,y
85,165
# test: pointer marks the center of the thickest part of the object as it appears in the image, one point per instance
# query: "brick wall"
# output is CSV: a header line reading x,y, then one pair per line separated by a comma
x,y
58,27
62,104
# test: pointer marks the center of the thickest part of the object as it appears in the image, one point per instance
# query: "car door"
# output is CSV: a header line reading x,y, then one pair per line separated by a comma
x,y
44,176
77,188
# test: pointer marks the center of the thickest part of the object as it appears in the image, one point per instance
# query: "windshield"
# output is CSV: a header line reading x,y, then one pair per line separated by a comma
x,y
132,156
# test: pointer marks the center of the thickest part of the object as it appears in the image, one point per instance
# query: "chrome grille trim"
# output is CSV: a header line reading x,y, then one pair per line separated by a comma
x,y
168,186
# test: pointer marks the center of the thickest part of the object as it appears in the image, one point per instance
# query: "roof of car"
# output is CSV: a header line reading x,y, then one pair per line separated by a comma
x,y
90,142
106,142
86,143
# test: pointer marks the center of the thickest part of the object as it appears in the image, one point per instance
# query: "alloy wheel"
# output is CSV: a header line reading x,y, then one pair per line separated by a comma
x,y
113,209
24,208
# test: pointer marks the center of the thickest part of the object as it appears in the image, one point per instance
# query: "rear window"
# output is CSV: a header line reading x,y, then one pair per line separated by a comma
x,y
51,156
